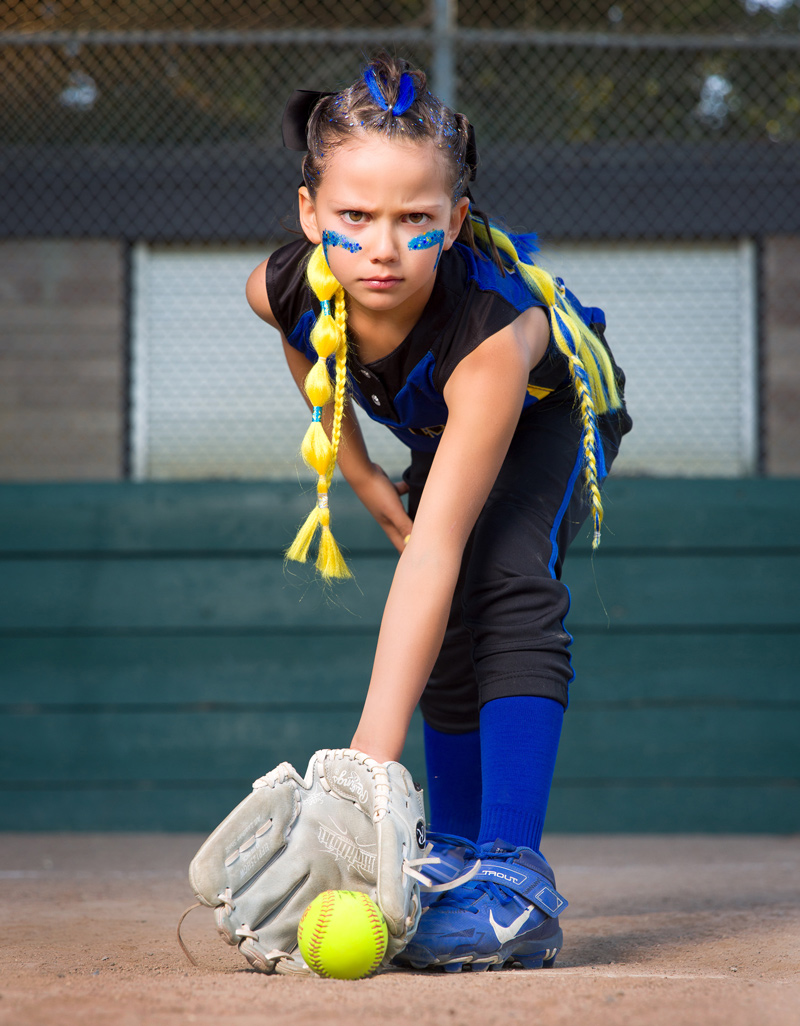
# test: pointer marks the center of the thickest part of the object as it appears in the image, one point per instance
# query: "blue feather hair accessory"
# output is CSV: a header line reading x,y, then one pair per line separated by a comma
x,y
406,94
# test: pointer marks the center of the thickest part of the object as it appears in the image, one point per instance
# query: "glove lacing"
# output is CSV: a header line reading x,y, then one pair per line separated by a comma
x,y
383,791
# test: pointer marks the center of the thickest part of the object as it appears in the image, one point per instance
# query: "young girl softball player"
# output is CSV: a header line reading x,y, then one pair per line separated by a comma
x,y
406,299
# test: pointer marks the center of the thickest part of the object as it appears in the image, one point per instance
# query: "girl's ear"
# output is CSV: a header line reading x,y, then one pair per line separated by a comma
x,y
308,216
457,215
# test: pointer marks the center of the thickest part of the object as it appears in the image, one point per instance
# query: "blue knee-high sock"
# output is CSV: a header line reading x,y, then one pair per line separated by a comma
x,y
454,781
519,743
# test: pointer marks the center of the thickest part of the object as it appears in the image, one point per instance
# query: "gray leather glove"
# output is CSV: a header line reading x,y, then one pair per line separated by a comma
x,y
351,824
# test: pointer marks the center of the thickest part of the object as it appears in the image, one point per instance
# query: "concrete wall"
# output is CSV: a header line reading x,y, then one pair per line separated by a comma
x,y
781,382
61,359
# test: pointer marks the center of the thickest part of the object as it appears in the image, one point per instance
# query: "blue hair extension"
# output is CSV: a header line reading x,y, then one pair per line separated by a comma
x,y
375,89
406,93
566,331
526,245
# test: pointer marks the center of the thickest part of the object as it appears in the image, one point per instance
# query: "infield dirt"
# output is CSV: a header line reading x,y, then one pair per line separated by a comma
x,y
679,931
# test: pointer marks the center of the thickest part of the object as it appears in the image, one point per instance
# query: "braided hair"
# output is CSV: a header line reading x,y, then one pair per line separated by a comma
x,y
329,339
590,367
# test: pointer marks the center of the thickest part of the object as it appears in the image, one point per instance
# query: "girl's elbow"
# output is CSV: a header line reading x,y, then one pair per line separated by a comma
x,y
440,555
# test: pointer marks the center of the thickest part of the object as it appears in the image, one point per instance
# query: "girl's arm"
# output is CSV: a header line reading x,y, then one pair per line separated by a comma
x,y
484,398
380,496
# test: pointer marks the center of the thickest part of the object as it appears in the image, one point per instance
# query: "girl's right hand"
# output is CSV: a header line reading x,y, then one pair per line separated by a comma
x,y
381,496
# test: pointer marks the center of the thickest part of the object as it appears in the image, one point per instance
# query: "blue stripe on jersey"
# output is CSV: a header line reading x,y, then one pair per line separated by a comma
x,y
300,338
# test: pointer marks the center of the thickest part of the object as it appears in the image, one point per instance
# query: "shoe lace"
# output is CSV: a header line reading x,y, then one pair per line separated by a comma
x,y
426,884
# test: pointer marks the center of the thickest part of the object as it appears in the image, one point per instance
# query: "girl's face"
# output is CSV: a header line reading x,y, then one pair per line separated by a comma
x,y
384,214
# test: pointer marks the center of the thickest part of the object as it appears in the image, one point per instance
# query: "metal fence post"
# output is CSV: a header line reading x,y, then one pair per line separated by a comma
x,y
444,74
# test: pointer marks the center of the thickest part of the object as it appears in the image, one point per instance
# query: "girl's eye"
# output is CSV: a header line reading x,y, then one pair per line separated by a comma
x,y
418,218
353,216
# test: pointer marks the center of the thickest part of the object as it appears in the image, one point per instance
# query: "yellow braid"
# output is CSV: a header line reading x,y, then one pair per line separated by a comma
x,y
589,420
328,338
590,367
340,394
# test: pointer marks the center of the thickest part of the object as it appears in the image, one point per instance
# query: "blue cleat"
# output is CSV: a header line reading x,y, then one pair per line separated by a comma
x,y
507,913
453,853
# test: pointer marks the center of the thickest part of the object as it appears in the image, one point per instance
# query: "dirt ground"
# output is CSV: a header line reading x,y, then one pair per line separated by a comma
x,y
660,930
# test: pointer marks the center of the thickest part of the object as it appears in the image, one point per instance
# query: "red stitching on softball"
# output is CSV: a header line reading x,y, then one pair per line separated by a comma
x,y
318,932
376,925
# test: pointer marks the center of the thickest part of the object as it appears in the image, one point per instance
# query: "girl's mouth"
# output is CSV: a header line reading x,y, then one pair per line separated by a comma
x,y
380,283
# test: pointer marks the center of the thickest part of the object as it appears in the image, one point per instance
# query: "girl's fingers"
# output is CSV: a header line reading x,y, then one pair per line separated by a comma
x,y
402,487
398,532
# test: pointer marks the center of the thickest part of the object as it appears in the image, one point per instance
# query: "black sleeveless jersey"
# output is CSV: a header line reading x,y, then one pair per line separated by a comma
x,y
471,301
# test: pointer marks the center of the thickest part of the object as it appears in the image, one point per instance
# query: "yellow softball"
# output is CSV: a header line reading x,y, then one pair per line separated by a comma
x,y
342,935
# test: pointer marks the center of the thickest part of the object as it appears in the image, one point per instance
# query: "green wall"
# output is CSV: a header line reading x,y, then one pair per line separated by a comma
x,y
156,656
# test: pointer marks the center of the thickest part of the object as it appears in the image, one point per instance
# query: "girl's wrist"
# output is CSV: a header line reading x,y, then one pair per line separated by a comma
x,y
374,748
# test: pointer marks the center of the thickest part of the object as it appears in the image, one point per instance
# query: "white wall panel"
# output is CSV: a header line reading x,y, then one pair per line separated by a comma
x,y
681,324
212,397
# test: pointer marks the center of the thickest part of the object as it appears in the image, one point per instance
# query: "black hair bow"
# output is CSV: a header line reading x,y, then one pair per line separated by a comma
x,y
295,117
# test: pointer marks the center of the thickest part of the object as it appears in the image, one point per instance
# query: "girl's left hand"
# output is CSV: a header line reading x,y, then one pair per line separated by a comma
x,y
381,496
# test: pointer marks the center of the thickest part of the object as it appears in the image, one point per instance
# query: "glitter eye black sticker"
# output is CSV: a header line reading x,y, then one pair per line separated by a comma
x,y
335,239
428,241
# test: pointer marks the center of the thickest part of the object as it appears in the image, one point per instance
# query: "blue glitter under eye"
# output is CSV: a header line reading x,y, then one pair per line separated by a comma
x,y
335,239
428,241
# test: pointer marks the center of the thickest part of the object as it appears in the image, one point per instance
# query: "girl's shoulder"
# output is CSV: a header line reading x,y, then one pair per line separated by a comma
x,y
287,288
481,270
485,302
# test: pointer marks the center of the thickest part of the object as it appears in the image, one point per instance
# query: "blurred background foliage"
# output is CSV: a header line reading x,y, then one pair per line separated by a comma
x,y
189,72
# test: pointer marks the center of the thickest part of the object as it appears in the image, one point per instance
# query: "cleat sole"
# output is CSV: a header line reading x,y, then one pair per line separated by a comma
x,y
543,958
531,962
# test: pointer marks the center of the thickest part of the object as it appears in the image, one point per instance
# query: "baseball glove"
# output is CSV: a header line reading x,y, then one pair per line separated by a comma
x,y
351,824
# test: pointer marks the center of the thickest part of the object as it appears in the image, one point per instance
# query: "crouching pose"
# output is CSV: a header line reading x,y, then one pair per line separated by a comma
x,y
406,300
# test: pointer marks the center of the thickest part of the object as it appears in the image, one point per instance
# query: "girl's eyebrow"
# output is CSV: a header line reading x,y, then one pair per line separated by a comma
x,y
411,207
353,205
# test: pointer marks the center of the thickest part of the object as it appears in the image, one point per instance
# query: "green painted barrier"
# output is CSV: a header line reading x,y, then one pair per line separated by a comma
x,y
157,656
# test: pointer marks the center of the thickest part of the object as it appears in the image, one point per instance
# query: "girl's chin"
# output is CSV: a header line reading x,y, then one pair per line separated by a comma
x,y
368,293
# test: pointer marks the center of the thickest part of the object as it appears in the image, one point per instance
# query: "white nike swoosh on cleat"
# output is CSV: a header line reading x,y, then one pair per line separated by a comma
x,y
507,933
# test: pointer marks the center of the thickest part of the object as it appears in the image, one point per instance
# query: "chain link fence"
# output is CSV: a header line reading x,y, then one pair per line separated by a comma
x,y
651,145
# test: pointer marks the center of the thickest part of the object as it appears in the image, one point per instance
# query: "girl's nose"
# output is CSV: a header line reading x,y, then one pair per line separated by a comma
x,y
384,244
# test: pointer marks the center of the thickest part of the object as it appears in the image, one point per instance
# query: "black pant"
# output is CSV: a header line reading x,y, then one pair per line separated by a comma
x,y
506,634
